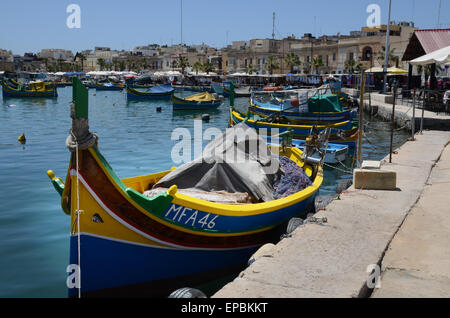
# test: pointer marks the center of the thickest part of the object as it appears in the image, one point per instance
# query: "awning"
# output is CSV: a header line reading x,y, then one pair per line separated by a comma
x,y
441,56
391,70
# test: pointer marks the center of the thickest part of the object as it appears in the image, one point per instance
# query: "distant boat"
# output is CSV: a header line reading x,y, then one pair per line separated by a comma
x,y
203,100
109,87
157,92
35,89
238,92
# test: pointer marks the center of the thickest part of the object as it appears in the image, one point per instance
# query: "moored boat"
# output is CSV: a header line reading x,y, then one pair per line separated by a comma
x,y
199,101
34,89
342,133
109,87
157,92
126,243
318,109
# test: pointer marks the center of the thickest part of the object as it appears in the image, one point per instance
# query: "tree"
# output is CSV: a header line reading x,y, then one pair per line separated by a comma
x,y
292,60
250,69
182,63
207,67
317,63
198,66
272,64
101,62
82,58
349,66
391,57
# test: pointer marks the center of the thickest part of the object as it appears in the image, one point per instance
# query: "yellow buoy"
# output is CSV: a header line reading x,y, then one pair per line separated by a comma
x,y
22,139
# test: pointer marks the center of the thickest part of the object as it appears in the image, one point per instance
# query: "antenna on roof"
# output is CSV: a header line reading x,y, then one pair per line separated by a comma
x,y
181,1
439,15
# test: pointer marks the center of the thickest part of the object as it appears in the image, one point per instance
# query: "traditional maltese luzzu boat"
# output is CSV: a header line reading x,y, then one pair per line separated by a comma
x,y
126,242
35,89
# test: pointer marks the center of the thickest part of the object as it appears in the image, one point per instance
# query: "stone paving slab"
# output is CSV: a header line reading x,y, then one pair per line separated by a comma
x,y
417,263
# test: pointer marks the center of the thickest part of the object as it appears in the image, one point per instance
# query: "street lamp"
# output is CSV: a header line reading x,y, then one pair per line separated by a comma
x,y
387,50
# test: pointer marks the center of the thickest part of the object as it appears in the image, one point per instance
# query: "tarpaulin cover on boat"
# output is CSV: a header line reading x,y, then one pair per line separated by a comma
x,y
202,97
161,89
239,161
324,104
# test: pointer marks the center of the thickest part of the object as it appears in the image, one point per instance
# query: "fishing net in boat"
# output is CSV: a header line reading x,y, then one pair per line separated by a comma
x,y
236,168
293,180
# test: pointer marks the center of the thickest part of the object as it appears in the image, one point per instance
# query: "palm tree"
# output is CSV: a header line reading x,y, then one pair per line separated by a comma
x,y
250,69
182,63
82,58
317,63
101,63
272,64
391,56
350,66
198,66
207,67
292,60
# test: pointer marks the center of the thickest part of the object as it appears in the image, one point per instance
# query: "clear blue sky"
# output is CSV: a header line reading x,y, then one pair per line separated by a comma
x,y
29,26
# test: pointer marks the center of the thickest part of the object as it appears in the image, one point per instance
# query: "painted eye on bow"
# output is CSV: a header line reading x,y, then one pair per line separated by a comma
x,y
97,218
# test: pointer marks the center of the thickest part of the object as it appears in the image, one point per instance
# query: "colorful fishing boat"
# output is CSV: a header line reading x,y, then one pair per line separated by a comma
x,y
199,101
238,92
345,133
109,87
125,244
34,89
157,92
319,109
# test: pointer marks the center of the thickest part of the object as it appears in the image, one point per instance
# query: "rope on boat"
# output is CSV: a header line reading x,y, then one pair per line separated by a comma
x,y
78,212
80,137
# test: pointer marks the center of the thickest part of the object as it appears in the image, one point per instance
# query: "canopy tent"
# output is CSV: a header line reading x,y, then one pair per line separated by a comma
x,y
441,56
391,70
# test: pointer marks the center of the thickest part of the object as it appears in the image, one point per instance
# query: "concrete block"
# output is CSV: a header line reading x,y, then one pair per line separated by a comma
x,y
370,164
374,179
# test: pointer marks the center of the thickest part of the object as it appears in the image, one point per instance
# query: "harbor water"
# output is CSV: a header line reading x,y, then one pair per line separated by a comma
x,y
134,137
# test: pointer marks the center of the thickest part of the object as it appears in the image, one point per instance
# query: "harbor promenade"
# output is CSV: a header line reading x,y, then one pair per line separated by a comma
x,y
364,229
417,263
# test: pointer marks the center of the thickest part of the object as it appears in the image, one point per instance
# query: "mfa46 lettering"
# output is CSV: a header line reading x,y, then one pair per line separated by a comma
x,y
191,217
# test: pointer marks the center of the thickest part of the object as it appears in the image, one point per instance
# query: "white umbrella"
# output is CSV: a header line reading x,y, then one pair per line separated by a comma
x,y
441,56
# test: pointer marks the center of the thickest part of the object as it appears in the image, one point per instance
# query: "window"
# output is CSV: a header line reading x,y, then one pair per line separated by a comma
x,y
334,56
351,56
367,53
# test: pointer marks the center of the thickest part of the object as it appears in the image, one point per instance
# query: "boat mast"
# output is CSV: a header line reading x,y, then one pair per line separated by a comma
x,y
181,5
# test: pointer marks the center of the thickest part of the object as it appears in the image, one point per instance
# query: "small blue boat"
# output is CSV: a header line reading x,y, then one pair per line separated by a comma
x,y
335,153
157,92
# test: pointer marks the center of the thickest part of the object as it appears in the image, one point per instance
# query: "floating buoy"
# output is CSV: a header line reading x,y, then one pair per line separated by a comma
x,y
187,292
94,94
159,109
22,139
12,105
205,117
264,251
